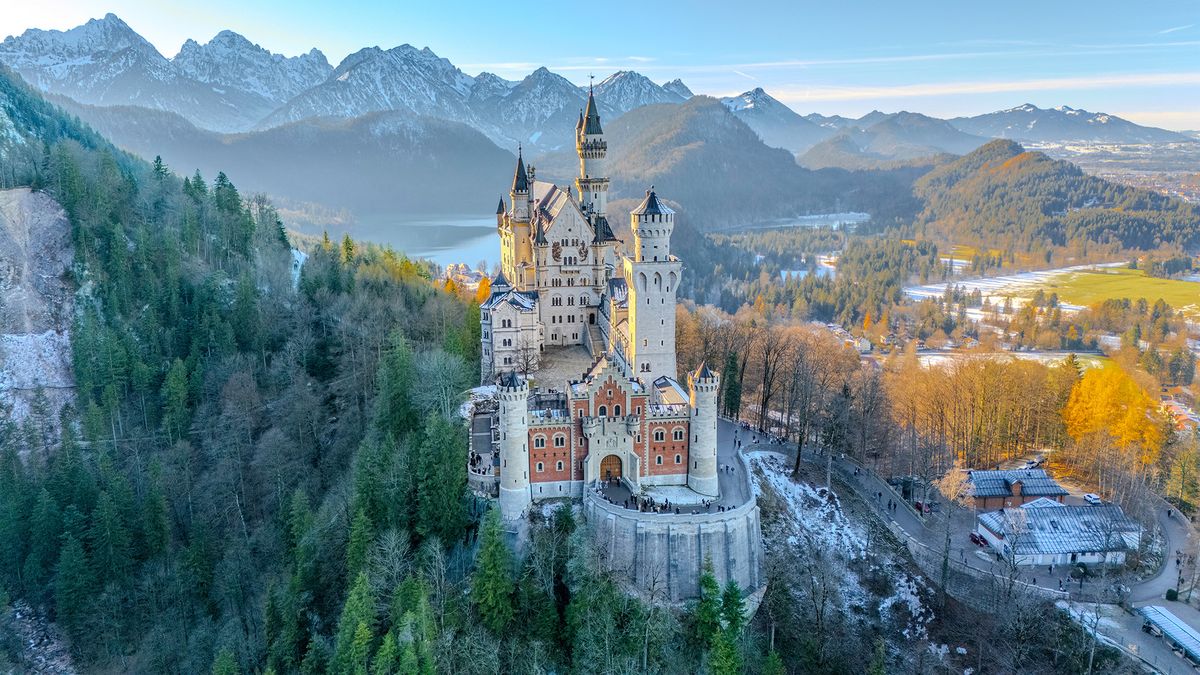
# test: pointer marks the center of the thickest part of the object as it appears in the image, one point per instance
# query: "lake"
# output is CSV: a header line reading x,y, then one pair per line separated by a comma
x,y
442,239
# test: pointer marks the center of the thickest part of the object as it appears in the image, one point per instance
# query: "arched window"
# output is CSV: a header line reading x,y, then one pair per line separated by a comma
x,y
559,465
560,441
617,410
678,434
678,459
658,460
660,435
603,411
539,442
539,467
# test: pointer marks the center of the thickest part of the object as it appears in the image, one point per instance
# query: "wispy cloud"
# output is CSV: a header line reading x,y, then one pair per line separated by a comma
x,y
920,90
748,77
1176,29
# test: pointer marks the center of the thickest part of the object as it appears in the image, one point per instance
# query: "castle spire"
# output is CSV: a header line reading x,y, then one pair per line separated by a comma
x,y
521,178
591,115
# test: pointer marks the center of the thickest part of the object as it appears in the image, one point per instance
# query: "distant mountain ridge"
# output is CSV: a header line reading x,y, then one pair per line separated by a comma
x,y
891,138
230,84
1030,123
778,125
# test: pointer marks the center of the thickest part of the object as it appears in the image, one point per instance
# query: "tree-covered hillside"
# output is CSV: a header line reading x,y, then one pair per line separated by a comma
x,y
1001,196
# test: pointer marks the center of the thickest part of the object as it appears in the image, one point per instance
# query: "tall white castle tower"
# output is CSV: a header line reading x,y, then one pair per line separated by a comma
x,y
592,182
702,471
515,496
652,277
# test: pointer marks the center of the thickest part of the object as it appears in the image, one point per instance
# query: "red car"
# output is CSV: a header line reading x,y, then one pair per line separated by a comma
x,y
978,540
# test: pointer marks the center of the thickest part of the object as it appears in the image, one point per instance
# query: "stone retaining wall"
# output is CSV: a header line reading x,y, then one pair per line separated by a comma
x,y
663,554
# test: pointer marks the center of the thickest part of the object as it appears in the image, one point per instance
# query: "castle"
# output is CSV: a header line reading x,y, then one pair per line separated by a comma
x,y
563,283
660,480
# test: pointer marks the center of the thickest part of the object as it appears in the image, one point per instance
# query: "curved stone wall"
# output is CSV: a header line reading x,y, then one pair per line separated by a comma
x,y
663,554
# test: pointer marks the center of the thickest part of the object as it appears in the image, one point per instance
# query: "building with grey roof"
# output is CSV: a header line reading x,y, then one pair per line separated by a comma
x,y
1000,489
1046,532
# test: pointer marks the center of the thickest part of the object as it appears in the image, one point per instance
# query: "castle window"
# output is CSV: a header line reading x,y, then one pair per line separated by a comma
x,y
507,342
539,442
658,460
616,411
559,465
678,459
507,323
560,441
571,301
678,435
660,435
539,467
555,301
485,316
602,411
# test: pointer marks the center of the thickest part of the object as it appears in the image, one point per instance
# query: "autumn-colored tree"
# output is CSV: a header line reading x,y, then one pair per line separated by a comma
x,y
1107,400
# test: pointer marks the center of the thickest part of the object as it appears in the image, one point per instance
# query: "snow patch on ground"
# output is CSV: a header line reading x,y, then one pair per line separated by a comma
x,y
474,398
816,517
907,596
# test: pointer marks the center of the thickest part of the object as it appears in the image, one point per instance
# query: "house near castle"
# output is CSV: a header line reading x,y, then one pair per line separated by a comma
x,y
999,489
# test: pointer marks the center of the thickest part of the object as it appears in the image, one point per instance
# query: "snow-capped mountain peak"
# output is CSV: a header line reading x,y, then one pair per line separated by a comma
x,y
678,88
229,60
625,90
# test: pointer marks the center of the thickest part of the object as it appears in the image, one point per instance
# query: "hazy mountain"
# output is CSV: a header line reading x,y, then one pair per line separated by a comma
x,y
678,88
830,121
775,123
1002,196
895,138
625,90
105,62
1050,125
386,162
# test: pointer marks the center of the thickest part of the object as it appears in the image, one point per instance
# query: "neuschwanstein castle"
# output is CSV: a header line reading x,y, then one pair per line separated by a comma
x,y
638,446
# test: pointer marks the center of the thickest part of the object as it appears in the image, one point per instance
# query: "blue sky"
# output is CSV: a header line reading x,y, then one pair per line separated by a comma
x,y
1140,60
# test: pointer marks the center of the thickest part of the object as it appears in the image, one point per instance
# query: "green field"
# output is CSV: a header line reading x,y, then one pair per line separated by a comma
x,y
1092,286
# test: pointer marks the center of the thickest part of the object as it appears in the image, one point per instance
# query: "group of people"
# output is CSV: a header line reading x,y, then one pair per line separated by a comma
x,y
478,464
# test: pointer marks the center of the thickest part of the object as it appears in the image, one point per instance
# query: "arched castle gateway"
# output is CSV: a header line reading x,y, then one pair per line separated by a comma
x,y
627,437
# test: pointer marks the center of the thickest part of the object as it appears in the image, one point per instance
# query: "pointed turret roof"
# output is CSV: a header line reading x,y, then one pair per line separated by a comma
x,y
521,178
500,282
539,236
579,124
650,206
703,373
510,380
603,231
591,116
500,208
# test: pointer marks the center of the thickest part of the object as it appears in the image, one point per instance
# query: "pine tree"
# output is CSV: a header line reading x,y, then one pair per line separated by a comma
x,y
774,665
395,413
492,587
878,660
175,400
732,611
109,540
360,649
361,536
723,658
441,481
707,614
732,400
358,609
387,658
225,663
73,584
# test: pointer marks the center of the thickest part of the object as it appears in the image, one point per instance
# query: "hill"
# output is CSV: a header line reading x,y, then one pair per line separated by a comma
x,y
1004,197
1062,124
891,140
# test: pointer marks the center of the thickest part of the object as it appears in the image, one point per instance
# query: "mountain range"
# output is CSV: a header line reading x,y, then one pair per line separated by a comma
x,y
276,121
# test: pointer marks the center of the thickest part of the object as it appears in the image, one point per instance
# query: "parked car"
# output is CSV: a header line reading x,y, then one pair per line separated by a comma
x,y
978,539
1093,499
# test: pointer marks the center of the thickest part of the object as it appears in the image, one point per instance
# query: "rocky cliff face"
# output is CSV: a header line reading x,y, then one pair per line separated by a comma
x,y
36,309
